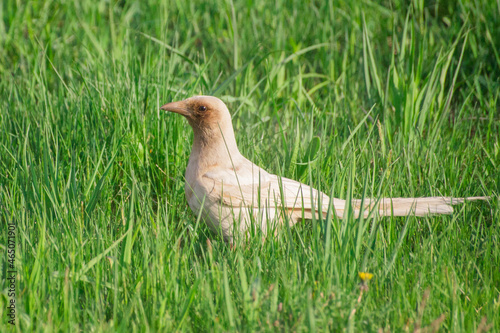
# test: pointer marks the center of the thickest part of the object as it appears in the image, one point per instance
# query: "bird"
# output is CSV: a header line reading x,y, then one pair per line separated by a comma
x,y
234,196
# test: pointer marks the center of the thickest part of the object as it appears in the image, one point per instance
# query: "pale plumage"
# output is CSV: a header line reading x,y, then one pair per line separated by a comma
x,y
233,195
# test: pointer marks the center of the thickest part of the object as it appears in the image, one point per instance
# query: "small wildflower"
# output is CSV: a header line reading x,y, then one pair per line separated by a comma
x,y
365,277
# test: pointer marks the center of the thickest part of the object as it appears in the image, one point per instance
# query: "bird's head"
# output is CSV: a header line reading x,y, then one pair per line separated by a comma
x,y
211,123
201,111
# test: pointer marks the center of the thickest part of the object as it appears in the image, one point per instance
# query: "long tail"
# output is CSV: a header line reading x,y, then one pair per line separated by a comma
x,y
384,206
410,206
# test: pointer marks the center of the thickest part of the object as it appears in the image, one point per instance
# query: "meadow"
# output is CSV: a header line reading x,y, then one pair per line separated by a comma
x,y
356,98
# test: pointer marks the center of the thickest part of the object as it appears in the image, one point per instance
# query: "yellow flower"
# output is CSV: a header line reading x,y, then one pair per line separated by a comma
x,y
365,276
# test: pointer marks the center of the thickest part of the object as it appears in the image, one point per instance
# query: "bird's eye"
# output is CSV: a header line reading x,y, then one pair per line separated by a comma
x,y
202,108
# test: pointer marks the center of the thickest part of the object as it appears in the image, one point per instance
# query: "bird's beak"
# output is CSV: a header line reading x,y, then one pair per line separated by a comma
x,y
177,107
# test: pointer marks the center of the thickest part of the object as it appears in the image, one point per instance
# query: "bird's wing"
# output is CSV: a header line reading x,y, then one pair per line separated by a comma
x,y
248,185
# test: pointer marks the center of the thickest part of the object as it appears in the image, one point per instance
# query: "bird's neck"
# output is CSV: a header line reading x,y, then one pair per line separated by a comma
x,y
212,147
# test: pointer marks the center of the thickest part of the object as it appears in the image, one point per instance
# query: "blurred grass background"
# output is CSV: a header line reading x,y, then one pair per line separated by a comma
x,y
357,98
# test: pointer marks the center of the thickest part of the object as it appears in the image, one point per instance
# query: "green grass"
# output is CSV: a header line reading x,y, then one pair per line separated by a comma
x,y
403,98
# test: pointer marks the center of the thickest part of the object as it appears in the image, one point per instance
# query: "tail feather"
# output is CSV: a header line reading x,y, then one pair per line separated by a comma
x,y
410,206
386,207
